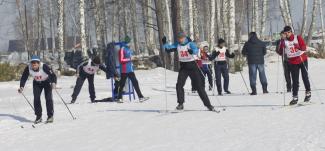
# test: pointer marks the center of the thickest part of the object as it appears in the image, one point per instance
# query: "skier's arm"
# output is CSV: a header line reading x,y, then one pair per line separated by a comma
x,y
24,77
232,55
264,50
302,45
80,66
194,48
122,58
49,71
281,48
244,51
170,47
213,55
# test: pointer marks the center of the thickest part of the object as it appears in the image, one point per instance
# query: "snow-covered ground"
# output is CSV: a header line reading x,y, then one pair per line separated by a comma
x,y
250,123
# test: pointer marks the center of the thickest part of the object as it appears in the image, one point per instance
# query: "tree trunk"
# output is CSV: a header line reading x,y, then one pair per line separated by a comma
x,y
322,25
160,24
60,33
191,19
255,18
134,26
232,32
212,23
304,19
196,22
265,7
313,22
82,31
177,26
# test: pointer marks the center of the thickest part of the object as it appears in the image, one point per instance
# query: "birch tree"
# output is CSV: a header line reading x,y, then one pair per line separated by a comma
x,y
177,26
212,23
304,18
312,22
264,16
83,42
196,21
191,19
322,25
255,18
232,32
60,33
134,26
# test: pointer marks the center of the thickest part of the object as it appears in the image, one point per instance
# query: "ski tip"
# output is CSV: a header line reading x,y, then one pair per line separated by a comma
x,y
33,126
21,126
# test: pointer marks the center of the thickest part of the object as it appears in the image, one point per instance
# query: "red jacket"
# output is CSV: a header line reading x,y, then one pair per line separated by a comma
x,y
301,46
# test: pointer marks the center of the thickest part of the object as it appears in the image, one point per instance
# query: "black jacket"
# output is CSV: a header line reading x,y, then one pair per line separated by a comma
x,y
255,50
52,77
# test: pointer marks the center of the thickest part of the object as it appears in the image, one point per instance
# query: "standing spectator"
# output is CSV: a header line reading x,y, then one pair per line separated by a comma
x,y
255,50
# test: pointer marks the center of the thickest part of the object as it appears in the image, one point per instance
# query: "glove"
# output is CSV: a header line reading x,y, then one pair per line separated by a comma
x,y
20,90
164,40
190,51
53,86
116,78
233,54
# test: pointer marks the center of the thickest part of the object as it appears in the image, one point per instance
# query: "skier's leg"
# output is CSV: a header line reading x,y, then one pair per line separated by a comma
x,y
294,70
91,87
262,75
37,91
225,75
209,74
252,76
287,75
218,78
304,75
135,84
181,79
78,86
49,99
194,75
121,86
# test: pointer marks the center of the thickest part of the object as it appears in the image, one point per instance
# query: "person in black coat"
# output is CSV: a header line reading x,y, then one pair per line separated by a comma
x,y
255,50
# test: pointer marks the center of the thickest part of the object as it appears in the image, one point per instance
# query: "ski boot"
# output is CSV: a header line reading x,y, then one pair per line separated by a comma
x,y
180,107
308,96
143,99
120,101
50,120
38,120
227,92
294,100
253,93
73,101
220,93
211,108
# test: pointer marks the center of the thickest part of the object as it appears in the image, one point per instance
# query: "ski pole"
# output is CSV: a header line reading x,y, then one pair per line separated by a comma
x,y
277,76
65,104
27,101
244,81
284,94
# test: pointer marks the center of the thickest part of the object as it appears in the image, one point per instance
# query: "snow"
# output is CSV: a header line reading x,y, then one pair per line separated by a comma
x,y
251,123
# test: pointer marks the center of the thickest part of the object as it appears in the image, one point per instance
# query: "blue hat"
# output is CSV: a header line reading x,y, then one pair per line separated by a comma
x,y
181,35
35,58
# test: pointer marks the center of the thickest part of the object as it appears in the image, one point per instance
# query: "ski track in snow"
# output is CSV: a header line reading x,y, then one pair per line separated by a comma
x,y
250,123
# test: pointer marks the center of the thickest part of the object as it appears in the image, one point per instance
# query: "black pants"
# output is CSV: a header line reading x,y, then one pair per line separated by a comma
x,y
202,78
80,81
222,70
287,74
134,81
294,70
207,71
190,69
37,90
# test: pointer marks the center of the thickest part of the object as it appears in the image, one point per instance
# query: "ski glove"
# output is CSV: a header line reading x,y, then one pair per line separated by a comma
x,y
164,40
53,86
190,51
297,46
20,90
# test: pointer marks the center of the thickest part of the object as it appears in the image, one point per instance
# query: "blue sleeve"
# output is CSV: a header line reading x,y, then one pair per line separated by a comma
x,y
170,47
194,48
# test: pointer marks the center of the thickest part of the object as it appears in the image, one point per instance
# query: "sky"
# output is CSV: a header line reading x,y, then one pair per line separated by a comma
x,y
8,15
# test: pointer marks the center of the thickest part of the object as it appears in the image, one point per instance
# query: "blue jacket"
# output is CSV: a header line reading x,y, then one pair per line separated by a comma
x,y
173,47
125,55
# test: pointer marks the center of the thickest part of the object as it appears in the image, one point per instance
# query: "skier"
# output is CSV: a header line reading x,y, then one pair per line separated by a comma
x,y
188,67
220,55
87,70
127,71
44,78
206,66
255,50
285,63
294,48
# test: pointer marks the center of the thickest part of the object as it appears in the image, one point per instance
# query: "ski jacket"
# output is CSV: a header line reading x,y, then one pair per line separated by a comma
x,y
220,55
89,68
183,50
294,48
43,74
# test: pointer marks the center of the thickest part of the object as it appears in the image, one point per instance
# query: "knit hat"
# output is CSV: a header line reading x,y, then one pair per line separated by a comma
x,y
181,35
35,58
127,39
287,29
220,41
96,60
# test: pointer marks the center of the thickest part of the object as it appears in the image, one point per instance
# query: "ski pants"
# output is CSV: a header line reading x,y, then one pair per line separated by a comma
x,y
80,81
190,69
134,81
294,70
222,70
207,71
287,75
37,91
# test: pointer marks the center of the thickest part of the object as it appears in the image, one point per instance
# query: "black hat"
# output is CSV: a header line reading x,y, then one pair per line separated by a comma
x,y
96,60
220,41
287,28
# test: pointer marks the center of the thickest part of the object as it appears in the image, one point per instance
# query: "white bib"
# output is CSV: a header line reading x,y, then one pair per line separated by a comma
x,y
39,75
89,68
206,60
222,54
183,54
290,49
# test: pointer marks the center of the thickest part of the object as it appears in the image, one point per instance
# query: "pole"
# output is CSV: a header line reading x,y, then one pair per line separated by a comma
x,y
65,104
27,101
244,81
